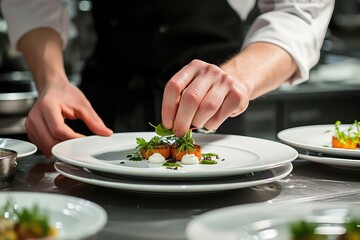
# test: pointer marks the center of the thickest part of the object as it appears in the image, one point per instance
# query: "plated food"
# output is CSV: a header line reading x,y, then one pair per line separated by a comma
x,y
24,223
318,138
331,144
167,149
348,229
111,154
297,221
347,139
49,216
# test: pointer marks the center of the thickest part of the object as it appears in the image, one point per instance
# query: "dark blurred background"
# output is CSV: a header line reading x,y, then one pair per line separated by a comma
x,y
332,92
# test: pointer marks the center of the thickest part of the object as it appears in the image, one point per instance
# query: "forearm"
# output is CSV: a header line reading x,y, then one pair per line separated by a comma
x,y
298,27
42,49
261,67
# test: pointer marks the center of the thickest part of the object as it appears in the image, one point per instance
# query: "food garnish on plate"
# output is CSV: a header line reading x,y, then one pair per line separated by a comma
x,y
306,230
172,151
24,223
348,139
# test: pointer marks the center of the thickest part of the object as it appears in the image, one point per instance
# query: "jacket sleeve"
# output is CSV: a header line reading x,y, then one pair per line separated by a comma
x,y
23,16
299,27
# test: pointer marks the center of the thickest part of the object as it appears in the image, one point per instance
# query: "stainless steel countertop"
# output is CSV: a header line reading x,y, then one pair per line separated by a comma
x,y
160,216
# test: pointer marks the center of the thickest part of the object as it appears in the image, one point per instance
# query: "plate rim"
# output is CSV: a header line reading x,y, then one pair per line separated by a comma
x,y
320,149
283,171
23,153
331,160
181,173
196,225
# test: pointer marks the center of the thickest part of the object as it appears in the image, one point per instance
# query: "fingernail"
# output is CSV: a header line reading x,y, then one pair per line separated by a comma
x,y
205,130
167,123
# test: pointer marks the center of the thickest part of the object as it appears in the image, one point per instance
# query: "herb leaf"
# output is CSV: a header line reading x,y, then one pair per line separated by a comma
x,y
161,130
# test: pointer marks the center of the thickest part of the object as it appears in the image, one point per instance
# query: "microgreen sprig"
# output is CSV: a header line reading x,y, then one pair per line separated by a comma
x,y
149,145
351,134
185,143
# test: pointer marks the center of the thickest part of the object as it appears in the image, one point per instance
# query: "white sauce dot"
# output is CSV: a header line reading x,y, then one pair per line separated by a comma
x,y
189,159
156,158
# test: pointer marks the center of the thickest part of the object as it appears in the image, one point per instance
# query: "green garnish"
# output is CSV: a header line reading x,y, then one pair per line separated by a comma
x,y
303,230
136,157
31,220
148,145
209,156
171,164
166,136
353,226
185,143
161,130
34,220
207,161
352,134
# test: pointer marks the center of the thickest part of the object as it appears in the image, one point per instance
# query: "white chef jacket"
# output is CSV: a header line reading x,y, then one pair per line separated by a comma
x,y
297,26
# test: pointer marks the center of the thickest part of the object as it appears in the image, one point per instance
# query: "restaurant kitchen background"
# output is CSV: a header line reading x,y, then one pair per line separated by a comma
x,y
332,92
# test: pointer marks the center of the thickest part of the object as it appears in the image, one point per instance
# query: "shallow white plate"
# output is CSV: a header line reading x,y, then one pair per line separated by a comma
x,y
350,164
186,186
74,218
240,155
23,148
315,138
268,221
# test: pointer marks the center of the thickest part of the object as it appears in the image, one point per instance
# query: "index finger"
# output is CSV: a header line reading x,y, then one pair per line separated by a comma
x,y
173,90
56,124
93,121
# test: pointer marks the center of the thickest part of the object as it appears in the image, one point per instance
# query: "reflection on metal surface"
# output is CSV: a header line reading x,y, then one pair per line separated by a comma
x,y
2,142
7,167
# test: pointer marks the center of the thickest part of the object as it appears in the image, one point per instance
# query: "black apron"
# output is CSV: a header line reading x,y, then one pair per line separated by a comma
x,y
142,44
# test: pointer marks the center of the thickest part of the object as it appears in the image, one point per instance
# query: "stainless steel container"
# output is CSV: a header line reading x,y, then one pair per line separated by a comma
x,y
7,167
17,96
17,93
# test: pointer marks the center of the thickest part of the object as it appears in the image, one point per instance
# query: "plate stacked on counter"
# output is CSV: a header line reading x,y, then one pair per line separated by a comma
x,y
11,150
259,221
21,147
314,143
242,162
35,215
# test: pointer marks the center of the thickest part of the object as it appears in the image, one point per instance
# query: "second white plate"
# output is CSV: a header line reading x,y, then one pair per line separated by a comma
x,y
23,148
315,138
73,218
348,164
238,155
156,186
262,221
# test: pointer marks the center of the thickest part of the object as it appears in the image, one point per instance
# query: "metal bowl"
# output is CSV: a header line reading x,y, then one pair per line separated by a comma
x,y
17,93
7,166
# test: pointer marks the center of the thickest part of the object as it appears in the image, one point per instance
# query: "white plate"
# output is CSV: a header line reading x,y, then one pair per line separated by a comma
x,y
74,218
350,164
240,154
23,148
315,138
262,221
186,186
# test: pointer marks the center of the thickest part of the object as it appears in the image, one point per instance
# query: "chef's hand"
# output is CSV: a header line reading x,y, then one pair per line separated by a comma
x,y
205,95
45,123
201,95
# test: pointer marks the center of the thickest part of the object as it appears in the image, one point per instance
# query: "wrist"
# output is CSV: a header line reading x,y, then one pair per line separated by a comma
x,y
42,49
